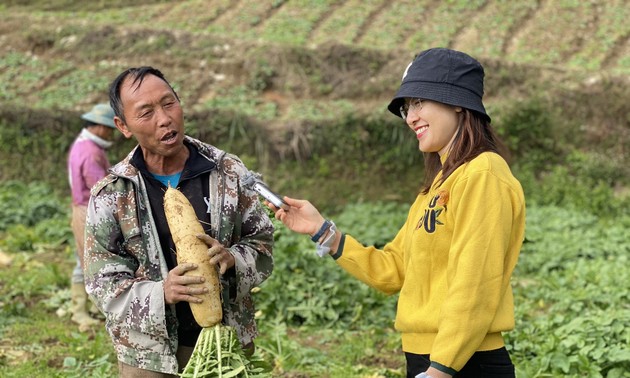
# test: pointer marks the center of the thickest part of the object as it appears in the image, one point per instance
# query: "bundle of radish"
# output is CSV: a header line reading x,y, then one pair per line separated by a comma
x,y
218,352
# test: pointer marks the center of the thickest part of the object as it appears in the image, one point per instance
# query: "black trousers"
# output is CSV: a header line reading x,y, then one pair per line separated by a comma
x,y
492,364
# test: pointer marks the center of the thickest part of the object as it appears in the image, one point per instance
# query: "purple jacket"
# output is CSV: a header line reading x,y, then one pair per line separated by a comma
x,y
87,163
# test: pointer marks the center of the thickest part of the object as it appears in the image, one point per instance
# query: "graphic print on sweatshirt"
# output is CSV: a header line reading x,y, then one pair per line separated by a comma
x,y
430,219
208,204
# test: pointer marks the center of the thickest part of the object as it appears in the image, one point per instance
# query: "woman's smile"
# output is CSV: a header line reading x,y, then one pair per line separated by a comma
x,y
421,130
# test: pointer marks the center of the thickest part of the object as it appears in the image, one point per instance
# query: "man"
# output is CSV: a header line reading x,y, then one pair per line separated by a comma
x,y
131,262
87,163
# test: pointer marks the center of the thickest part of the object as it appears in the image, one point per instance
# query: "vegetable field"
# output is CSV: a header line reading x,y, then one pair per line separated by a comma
x,y
571,286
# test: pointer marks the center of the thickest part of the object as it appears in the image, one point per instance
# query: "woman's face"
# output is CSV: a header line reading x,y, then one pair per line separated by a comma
x,y
435,124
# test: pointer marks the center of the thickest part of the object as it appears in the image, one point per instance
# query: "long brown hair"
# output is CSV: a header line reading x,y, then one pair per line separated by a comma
x,y
474,136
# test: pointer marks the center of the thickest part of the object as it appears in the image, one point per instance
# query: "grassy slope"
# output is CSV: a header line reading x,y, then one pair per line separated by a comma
x,y
289,69
65,38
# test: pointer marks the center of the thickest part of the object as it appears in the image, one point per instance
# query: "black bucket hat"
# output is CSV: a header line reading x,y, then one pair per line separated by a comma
x,y
443,75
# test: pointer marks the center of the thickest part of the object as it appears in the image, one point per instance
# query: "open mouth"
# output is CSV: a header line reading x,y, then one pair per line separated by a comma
x,y
420,130
169,137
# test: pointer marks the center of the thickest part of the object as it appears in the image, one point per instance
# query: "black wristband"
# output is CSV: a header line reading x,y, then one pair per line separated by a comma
x,y
321,231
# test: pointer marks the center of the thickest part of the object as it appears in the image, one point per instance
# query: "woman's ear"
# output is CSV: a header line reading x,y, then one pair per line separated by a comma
x,y
458,109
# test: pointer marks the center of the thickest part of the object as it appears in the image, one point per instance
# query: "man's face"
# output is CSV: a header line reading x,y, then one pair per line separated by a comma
x,y
153,116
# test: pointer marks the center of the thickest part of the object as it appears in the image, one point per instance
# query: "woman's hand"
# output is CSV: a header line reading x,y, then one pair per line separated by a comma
x,y
301,216
435,373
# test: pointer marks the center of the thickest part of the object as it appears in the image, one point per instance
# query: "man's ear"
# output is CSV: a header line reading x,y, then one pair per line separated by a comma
x,y
122,127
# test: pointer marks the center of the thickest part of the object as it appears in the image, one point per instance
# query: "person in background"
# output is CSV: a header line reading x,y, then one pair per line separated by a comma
x,y
87,163
131,267
452,260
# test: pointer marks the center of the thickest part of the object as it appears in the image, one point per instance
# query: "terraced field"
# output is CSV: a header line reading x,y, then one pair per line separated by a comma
x,y
57,53
277,70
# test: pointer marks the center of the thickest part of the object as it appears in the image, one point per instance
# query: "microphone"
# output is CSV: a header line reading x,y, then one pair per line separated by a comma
x,y
253,181
249,179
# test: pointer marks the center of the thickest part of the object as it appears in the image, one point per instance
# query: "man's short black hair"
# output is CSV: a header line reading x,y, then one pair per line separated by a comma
x,y
138,74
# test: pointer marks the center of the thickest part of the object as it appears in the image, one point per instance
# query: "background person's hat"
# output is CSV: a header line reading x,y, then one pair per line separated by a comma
x,y
443,75
101,114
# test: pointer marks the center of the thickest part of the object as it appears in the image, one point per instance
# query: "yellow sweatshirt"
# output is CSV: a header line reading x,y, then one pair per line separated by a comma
x,y
451,262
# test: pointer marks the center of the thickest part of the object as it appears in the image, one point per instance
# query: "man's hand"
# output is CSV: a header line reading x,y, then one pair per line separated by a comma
x,y
218,253
176,287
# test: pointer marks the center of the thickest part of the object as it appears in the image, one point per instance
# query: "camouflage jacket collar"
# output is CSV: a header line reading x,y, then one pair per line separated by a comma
x,y
127,170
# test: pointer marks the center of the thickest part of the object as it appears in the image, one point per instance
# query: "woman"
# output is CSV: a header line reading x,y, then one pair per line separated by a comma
x,y
452,260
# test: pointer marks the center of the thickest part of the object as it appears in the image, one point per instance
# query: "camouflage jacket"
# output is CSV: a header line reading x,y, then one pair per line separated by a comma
x,y
125,268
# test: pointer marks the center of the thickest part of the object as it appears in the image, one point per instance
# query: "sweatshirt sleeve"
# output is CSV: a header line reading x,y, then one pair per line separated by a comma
x,y
476,270
383,270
